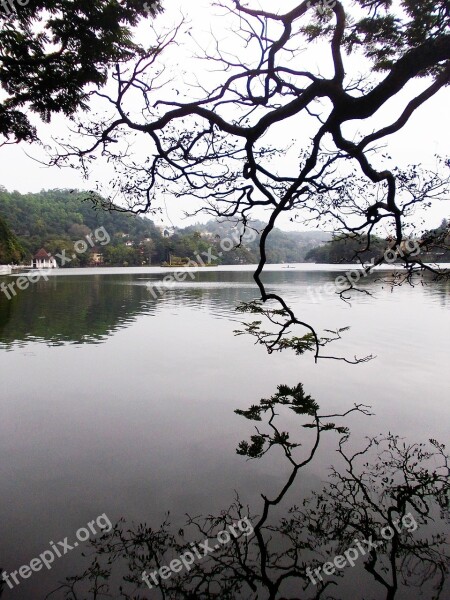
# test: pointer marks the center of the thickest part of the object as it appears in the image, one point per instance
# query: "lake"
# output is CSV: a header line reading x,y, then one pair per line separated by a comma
x,y
119,401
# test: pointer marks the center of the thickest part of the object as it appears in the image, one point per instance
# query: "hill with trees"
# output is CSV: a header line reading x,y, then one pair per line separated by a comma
x,y
437,243
347,250
435,247
56,219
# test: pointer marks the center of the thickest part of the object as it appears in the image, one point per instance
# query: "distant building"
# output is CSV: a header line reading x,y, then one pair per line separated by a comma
x,y
96,257
166,231
43,260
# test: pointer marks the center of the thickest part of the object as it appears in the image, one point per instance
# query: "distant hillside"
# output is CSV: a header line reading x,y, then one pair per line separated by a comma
x,y
282,246
61,214
435,247
56,219
344,250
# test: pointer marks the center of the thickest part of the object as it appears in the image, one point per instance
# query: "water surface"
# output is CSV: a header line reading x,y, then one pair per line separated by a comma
x,y
115,401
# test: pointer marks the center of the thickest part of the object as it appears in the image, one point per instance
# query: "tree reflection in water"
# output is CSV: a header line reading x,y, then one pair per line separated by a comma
x,y
386,486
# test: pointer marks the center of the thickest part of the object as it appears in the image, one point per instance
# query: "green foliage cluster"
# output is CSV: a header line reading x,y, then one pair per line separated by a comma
x,y
51,50
292,397
11,252
388,29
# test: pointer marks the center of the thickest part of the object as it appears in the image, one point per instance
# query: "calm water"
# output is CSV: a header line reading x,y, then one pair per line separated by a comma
x,y
116,402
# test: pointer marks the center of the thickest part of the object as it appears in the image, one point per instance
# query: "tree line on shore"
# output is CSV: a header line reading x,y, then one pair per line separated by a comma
x,y
56,219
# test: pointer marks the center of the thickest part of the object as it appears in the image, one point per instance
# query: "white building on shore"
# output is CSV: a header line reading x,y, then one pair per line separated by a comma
x,y
43,260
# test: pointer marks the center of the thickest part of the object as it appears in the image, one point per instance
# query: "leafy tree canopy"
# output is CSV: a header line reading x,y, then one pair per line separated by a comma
x,y
51,50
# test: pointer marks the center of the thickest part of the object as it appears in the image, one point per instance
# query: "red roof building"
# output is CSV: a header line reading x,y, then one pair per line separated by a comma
x,y
43,260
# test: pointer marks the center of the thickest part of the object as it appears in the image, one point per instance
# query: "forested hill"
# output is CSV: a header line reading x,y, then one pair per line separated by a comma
x,y
10,249
62,214
344,250
435,247
55,219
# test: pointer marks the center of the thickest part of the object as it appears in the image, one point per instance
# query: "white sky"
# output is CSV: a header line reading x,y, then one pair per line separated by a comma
x,y
425,135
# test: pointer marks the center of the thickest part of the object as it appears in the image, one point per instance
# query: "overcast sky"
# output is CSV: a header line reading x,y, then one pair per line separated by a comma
x,y
425,135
